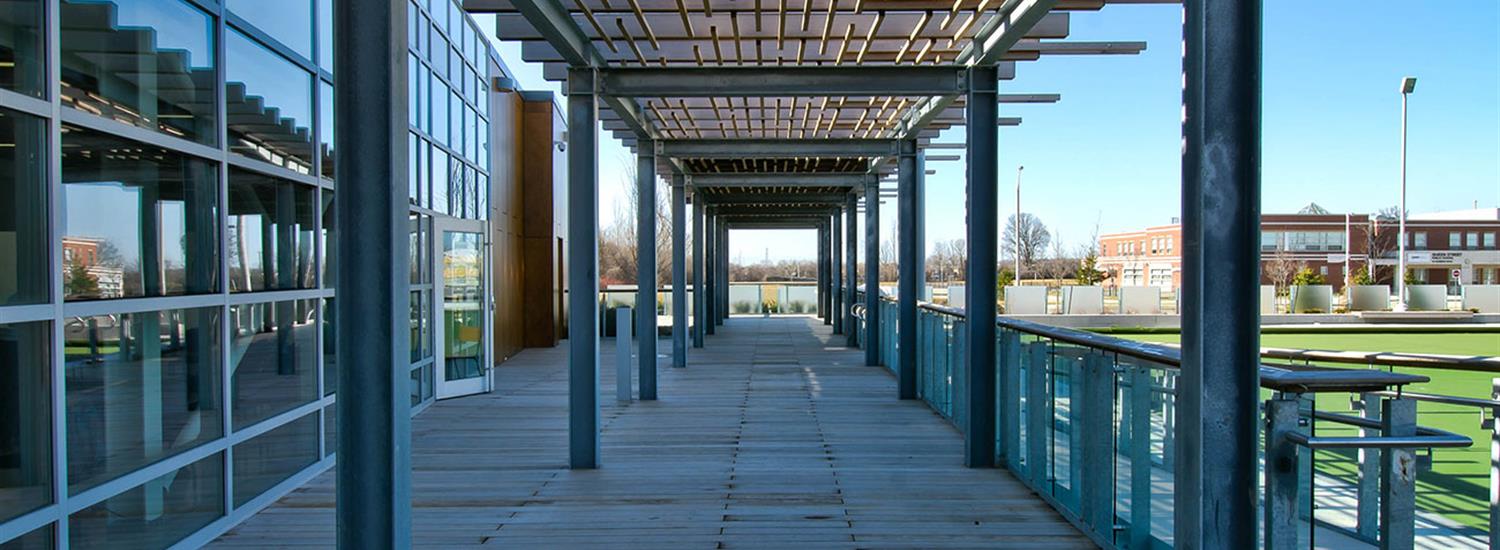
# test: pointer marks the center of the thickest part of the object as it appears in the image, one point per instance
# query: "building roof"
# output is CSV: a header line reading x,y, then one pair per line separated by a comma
x,y
1475,214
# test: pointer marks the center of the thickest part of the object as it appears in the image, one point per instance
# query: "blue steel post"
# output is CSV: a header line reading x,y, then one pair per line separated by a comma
x,y
374,415
723,249
825,274
679,272
909,263
1218,391
700,292
981,110
645,266
851,268
872,273
583,280
710,273
837,221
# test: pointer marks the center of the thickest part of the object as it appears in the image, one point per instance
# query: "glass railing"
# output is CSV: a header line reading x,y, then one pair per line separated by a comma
x,y
1058,389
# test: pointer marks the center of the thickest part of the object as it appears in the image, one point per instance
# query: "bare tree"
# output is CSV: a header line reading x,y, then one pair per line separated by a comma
x,y
1282,268
948,261
1034,239
618,255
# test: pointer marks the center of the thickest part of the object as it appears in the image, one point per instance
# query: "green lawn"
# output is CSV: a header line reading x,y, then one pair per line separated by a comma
x,y
1458,484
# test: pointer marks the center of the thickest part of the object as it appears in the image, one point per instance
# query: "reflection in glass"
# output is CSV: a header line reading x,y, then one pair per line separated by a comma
x,y
325,35
23,208
463,299
328,259
417,325
137,220
147,63
273,359
291,22
271,228
414,169
325,123
22,58
274,456
25,418
140,387
156,514
415,387
270,106
440,183
330,429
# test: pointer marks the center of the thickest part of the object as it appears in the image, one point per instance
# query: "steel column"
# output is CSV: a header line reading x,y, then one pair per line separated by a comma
x,y
825,274
374,415
909,261
723,249
700,292
836,284
851,267
982,141
1218,391
645,267
710,272
679,272
583,279
872,274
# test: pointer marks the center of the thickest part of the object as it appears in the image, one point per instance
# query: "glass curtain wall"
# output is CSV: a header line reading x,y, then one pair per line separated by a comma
x,y
166,256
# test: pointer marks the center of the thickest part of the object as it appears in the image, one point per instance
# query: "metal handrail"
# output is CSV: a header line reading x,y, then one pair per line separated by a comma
x,y
1424,438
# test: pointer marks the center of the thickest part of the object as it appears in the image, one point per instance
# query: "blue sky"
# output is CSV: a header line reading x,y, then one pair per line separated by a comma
x,y
1108,153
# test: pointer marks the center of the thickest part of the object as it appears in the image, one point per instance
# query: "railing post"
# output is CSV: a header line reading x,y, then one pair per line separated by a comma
x,y
623,336
1075,370
1367,514
1282,473
1010,401
1398,477
1097,495
1495,466
1306,408
1036,414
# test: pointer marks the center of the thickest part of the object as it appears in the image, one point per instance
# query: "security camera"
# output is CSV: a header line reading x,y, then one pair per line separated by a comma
x,y
561,146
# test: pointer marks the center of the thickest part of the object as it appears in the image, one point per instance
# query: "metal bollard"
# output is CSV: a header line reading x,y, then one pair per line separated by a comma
x,y
624,333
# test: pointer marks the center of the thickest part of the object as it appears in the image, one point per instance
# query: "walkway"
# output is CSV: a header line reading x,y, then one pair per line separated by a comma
x,y
773,436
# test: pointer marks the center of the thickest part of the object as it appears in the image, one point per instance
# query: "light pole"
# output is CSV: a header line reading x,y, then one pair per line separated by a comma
x,y
1018,224
1408,84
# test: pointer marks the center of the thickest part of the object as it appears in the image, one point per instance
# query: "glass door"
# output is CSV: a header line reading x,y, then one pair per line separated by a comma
x,y
462,318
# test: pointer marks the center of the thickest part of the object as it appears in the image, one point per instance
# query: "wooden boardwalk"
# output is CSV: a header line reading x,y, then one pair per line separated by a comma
x,y
774,436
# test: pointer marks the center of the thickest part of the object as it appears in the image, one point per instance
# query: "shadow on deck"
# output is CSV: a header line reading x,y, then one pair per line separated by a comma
x,y
775,435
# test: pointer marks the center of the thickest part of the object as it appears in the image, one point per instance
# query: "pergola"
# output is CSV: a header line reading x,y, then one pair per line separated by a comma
x,y
789,114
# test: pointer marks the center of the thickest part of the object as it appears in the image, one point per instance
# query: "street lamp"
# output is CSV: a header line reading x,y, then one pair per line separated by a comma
x,y
1017,232
1408,85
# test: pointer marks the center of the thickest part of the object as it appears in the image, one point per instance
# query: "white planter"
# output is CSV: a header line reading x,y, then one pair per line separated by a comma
x,y
1142,300
1312,299
1369,298
1426,298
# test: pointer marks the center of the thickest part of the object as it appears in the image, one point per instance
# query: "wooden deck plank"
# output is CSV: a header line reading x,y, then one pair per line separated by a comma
x,y
774,436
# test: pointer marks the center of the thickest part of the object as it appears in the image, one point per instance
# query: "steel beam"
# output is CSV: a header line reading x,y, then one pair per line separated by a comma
x,y
779,179
583,278
645,268
679,271
768,198
851,269
872,276
776,148
771,212
909,251
374,414
700,303
769,81
983,140
1217,393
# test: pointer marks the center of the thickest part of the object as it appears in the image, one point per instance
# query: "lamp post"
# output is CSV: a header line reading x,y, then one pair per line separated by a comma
x,y
1408,84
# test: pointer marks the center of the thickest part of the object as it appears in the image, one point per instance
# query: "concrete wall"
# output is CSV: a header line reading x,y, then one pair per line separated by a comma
x,y
1485,298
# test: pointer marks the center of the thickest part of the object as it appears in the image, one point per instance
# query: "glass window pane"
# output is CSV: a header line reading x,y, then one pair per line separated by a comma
x,y
415,387
439,180
23,209
414,247
270,106
140,387
39,539
274,456
139,220
413,168
330,429
25,418
271,224
167,82
329,259
273,355
417,322
156,514
22,59
287,21
325,125
330,347
413,91
325,34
